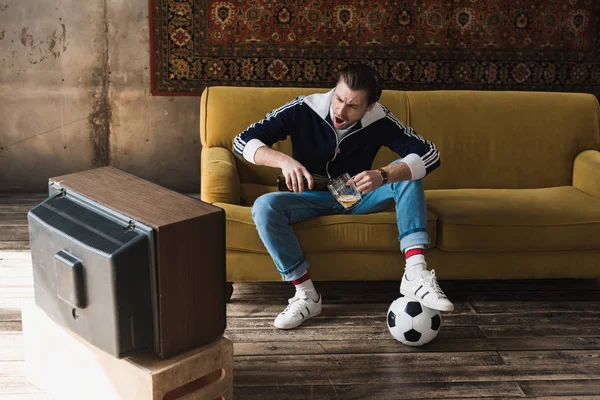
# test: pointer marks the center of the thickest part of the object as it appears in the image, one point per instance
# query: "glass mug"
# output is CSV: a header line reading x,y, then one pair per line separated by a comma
x,y
345,192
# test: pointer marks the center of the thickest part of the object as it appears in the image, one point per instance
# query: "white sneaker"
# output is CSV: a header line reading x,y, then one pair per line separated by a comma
x,y
300,308
426,290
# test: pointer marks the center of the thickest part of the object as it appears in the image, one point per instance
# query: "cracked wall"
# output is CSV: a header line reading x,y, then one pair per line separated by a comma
x,y
75,94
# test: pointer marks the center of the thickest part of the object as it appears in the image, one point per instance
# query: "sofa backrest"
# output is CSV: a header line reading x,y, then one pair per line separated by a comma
x,y
505,139
486,139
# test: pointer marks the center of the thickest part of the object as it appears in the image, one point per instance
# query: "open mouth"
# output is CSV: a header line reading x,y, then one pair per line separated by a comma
x,y
338,121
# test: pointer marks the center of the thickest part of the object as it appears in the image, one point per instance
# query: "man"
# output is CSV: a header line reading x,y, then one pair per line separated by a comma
x,y
333,133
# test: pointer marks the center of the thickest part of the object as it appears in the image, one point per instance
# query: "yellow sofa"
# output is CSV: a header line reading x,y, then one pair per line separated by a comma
x,y
517,195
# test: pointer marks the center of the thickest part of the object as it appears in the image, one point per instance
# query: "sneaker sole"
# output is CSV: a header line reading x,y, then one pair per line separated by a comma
x,y
295,326
412,296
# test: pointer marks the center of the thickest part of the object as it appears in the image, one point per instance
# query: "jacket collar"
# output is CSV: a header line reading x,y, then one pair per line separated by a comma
x,y
320,103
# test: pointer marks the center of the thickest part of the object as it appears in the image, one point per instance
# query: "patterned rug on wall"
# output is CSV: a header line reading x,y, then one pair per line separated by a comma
x,y
549,45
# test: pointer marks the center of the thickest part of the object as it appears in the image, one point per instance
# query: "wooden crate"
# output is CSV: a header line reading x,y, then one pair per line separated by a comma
x,y
67,367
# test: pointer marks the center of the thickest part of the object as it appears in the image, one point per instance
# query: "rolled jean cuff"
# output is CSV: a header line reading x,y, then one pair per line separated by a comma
x,y
296,271
417,237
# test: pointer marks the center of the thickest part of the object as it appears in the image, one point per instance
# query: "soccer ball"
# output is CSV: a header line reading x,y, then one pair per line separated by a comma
x,y
411,323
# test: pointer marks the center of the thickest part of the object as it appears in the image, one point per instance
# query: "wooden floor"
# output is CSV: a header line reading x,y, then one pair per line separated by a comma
x,y
521,339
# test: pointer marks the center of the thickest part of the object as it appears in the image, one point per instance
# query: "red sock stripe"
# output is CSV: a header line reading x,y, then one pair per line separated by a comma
x,y
413,252
303,278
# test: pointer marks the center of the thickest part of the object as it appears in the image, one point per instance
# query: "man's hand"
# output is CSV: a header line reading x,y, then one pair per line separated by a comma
x,y
367,181
295,173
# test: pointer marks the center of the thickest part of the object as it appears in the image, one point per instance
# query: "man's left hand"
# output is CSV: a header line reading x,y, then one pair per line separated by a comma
x,y
367,181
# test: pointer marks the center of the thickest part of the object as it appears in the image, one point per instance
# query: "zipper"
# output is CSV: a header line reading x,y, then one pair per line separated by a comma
x,y
337,146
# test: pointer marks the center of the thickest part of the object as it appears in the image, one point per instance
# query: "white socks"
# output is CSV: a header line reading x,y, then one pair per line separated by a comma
x,y
415,262
306,288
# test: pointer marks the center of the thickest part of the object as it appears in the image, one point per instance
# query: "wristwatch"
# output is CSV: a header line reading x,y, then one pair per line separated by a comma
x,y
384,175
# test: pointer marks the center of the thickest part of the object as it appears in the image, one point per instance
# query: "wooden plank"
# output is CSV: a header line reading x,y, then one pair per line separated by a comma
x,y
14,245
22,198
310,330
342,346
561,388
10,314
12,219
277,348
384,391
368,361
578,357
504,331
15,233
535,306
10,327
468,344
356,374
17,208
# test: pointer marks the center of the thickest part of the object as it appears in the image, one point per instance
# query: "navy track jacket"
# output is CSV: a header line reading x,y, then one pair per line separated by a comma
x,y
315,143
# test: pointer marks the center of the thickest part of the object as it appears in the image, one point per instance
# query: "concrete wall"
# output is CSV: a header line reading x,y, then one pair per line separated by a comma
x,y
75,94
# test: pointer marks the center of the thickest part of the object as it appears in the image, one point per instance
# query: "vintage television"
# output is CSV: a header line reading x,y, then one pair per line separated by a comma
x,y
128,265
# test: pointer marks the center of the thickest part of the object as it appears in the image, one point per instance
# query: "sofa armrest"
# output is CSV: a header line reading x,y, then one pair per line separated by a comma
x,y
219,181
586,172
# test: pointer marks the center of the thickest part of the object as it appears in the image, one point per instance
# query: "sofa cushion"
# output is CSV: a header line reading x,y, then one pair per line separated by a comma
x,y
375,232
547,219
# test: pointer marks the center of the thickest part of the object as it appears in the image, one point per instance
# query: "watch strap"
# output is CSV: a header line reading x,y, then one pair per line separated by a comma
x,y
384,175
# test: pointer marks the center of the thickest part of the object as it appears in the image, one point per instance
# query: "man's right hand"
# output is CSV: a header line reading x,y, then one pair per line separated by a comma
x,y
293,171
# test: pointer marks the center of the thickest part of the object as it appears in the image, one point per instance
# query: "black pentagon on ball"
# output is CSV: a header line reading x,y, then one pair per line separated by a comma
x,y
436,321
412,336
413,308
391,319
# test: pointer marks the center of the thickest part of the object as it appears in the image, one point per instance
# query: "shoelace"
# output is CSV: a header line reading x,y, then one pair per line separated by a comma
x,y
432,283
295,304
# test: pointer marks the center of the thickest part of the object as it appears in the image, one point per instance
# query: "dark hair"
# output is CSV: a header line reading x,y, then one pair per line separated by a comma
x,y
362,77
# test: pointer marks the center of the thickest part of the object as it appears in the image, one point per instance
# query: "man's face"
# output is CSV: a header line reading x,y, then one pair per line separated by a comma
x,y
348,105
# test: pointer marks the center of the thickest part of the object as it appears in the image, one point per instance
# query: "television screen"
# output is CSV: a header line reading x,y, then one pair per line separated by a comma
x,y
94,272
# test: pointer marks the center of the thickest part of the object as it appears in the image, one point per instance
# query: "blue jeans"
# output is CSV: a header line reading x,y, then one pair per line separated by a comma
x,y
274,212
